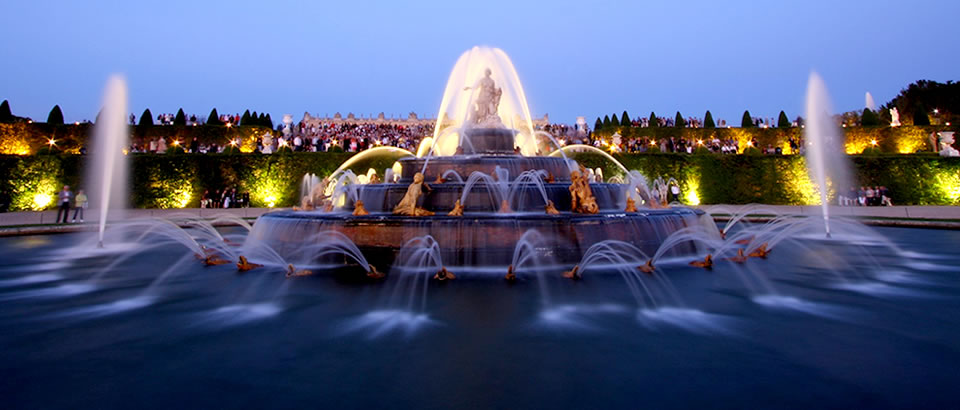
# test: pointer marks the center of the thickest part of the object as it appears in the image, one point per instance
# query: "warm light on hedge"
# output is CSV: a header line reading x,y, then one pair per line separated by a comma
x,y
692,196
42,201
949,184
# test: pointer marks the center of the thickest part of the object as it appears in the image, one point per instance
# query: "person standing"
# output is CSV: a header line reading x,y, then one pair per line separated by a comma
x,y
64,198
80,203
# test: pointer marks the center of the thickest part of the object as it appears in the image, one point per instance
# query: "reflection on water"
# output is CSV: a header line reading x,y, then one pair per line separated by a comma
x,y
318,335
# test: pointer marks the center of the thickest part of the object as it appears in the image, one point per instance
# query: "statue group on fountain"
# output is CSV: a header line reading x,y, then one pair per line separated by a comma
x,y
486,103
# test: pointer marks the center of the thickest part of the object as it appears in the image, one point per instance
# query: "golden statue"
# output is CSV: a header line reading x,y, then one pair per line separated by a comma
x,y
374,179
647,268
245,265
573,273
358,209
760,252
505,207
511,276
457,209
306,204
740,258
582,199
327,205
631,205
213,260
444,274
706,263
551,210
374,274
439,179
550,178
408,205
294,273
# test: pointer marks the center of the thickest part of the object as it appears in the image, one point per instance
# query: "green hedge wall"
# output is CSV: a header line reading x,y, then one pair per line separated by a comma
x,y
178,180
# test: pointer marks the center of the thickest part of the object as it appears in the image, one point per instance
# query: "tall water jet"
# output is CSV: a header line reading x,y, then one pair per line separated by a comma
x,y
825,155
463,91
107,173
869,103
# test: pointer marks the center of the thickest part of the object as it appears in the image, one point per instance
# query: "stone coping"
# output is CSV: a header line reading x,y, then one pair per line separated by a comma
x,y
943,217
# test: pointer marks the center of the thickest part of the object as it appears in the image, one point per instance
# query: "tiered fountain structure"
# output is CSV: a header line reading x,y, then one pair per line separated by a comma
x,y
484,179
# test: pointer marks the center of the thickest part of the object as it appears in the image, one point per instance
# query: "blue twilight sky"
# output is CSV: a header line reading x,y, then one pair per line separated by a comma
x,y
574,58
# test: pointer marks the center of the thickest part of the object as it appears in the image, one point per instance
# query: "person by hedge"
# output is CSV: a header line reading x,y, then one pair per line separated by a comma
x,y
63,198
80,203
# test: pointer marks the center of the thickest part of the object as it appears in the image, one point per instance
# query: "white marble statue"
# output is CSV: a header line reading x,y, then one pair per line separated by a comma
x,y
486,103
946,144
894,117
267,141
287,125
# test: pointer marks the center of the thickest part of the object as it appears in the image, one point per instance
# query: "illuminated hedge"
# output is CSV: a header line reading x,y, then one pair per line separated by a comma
x,y
171,181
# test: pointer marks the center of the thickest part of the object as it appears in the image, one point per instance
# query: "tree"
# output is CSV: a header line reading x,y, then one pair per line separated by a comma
x,y
929,95
625,119
262,120
245,118
146,119
615,121
920,116
606,121
180,119
268,122
653,120
596,126
783,121
214,118
747,120
708,120
869,118
56,116
679,122
5,114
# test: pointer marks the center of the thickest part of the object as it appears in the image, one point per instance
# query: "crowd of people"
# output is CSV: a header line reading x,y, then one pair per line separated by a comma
x,y
684,146
866,196
228,198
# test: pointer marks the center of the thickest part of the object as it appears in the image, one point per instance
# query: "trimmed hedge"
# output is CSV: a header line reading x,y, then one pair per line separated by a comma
x,y
30,138
178,180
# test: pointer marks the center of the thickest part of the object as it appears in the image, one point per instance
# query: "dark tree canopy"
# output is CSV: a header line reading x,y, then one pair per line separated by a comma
x,y
614,121
928,95
747,120
5,114
245,118
596,126
625,119
267,122
214,118
56,116
606,121
653,123
920,116
679,122
146,119
783,121
708,120
181,118
869,118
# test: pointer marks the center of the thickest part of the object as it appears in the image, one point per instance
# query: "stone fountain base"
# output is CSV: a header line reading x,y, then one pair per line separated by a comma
x,y
474,240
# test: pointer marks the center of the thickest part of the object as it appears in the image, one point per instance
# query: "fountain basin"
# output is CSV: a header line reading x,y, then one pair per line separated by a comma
x,y
475,239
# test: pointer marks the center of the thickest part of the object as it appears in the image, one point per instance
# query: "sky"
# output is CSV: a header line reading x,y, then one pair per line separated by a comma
x,y
574,58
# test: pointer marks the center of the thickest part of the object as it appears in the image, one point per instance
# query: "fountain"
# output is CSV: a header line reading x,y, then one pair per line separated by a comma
x,y
825,154
518,180
108,175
